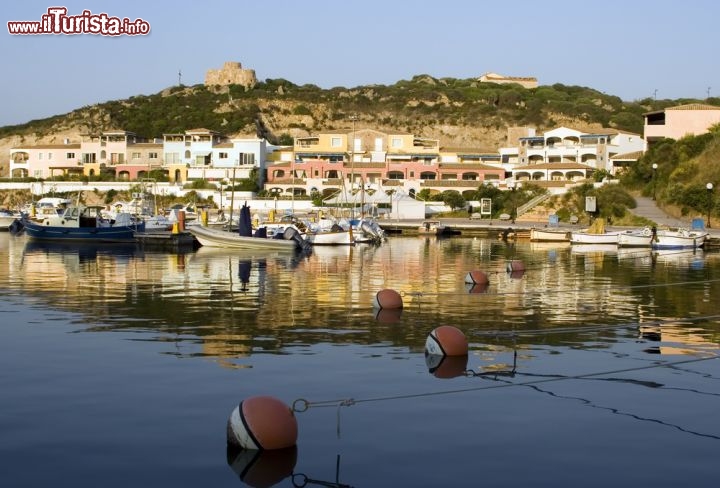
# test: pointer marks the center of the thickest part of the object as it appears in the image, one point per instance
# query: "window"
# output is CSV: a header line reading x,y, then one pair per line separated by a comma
x,y
50,156
40,156
172,158
223,155
70,156
136,155
335,142
396,142
152,155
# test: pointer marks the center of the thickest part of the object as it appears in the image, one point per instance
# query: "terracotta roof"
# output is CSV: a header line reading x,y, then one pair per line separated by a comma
x,y
694,106
688,106
223,145
631,155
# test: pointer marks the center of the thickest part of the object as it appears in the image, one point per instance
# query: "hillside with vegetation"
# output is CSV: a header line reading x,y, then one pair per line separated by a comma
x,y
459,112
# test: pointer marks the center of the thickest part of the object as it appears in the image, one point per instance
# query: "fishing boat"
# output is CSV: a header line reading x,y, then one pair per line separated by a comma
x,y
549,235
679,239
595,234
431,228
84,224
635,238
7,218
289,240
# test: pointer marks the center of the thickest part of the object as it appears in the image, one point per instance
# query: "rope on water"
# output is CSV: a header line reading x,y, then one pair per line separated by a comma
x,y
302,405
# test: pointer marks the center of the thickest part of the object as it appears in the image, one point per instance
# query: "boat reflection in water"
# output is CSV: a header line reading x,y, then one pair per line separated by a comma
x,y
146,350
84,251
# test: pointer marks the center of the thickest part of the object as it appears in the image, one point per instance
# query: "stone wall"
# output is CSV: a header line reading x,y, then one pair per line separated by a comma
x,y
232,73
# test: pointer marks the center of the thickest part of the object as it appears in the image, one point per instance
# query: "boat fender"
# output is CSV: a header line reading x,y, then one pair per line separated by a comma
x,y
647,232
446,340
260,423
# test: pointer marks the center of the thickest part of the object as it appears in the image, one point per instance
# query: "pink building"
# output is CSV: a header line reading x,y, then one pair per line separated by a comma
x,y
680,121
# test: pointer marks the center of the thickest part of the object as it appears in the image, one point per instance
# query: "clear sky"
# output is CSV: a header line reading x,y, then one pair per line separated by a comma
x,y
629,48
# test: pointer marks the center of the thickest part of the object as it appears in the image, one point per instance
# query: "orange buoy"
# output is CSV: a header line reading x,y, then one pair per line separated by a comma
x,y
477,277
515,265
262,468
262,422
388,315
479,288
446,366
388,298
446,340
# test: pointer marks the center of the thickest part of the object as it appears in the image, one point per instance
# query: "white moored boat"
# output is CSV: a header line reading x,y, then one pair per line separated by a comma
x,y
595,234
679,239
584,237
635,238
549,235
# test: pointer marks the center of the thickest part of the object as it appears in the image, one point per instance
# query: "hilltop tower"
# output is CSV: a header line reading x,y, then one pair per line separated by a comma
x,y
232,73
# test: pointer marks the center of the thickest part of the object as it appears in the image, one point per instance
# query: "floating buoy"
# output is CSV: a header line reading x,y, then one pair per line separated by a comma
x,y
446,340
479,288
388,298
262,422
517,274
446,366
477,277
262,468
515,265
388,315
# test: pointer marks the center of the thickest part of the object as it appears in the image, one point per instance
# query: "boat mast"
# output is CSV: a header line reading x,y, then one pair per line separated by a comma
x,y
232,198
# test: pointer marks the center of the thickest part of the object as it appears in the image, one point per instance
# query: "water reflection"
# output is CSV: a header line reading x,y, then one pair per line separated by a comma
x,y
231,304
262,468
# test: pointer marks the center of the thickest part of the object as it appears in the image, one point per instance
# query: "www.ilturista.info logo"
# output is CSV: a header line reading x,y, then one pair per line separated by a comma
x,y
57,21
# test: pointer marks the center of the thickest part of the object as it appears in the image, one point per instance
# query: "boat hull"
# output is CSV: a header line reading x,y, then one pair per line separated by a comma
x,y
40,232
635,238
679,240
220,238
587,238
341,238
546,235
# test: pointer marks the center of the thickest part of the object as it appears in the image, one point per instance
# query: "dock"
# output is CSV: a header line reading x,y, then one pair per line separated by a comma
x,y
167,241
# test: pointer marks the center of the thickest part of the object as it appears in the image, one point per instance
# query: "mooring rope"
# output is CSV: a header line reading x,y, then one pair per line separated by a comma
x,y
301,404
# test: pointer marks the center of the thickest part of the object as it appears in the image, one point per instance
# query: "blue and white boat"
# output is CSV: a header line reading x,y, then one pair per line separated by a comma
x,y
83,224
679,239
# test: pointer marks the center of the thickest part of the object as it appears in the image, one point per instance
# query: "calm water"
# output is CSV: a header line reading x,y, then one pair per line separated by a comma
x,y
120,367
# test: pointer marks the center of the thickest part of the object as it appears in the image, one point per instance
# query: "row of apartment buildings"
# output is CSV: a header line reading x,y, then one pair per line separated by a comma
x,y
348,158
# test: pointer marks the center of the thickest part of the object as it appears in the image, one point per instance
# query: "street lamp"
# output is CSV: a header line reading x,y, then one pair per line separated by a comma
x,y
654,176
709,187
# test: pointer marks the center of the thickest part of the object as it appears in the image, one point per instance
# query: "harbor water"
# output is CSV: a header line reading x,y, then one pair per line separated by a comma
x,y
594,367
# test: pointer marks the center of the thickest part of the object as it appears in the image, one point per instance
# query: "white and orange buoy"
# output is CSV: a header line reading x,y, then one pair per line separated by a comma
x,y
388,299
479,288
477,277
388,315
515,265
446,340
262,468
444,367
262,422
